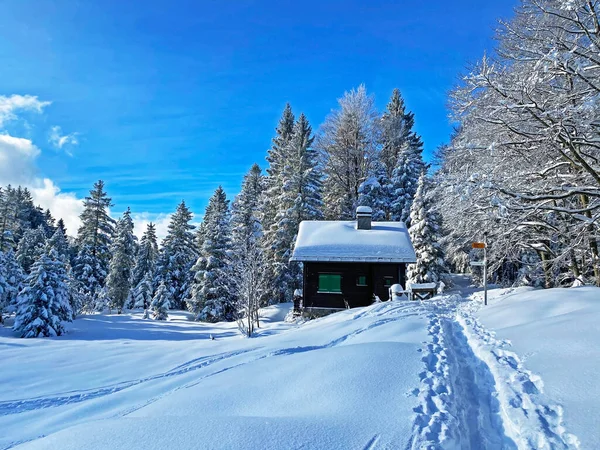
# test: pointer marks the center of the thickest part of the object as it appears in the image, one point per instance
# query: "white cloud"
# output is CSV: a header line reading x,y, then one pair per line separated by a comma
x,y
58,140
65,206
18,166
8,106
17,159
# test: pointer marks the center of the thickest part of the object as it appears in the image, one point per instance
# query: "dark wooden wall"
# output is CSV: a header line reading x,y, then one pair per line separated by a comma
x,y
351,293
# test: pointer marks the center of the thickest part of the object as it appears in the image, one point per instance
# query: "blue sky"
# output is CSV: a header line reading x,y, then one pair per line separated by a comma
x,y
169,99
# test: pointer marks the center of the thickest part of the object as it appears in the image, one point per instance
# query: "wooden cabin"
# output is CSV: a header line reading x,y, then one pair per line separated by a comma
x,y
347,263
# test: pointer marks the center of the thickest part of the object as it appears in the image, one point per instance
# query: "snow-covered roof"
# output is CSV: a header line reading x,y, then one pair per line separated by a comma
x,y
341,241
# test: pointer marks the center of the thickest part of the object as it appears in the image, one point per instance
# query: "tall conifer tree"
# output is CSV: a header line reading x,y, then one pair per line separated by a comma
x,y
177,256
211,297
299,199
425,234
121,265
94,239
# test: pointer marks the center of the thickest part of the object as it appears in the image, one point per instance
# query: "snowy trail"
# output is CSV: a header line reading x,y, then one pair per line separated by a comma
x,y
475,394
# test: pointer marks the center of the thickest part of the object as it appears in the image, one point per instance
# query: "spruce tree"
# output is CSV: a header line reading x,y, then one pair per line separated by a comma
x,y
402,156
7,213
161,303
30,247
61,225
177,256
299,199
13,279
3,287
375,191
425,234
48,223
246,226
17,215
147,254
142,293
405,180
59,242
44,302
277,158
396,131
94,241
211,298
118,282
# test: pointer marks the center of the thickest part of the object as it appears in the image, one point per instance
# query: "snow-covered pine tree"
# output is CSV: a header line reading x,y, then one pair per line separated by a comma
x,y
77,297
59,242
13,280
142,293
6,215
347,143
161,303
3,287
118,282
94,239
402,156
424,233
44,302
300,199
30,247
403,188
276,157
61,224
246,226
177,256
211,297
375,191
48,224
147,255
397,132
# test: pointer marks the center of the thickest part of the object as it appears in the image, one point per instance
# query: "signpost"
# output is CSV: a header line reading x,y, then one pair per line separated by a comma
x,y
482,245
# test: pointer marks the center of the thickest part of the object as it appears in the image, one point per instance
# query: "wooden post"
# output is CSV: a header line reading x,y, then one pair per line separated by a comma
x,y
485,269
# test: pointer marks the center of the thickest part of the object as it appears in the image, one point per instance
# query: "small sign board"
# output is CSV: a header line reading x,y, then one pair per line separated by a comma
x,y
478,245
477,263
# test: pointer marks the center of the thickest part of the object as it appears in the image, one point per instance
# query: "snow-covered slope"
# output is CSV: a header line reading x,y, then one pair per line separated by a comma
x,y
556,335
343,381
436,374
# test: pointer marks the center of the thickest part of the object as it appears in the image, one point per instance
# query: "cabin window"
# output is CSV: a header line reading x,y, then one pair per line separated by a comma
x,y
361,280
388,281
330,283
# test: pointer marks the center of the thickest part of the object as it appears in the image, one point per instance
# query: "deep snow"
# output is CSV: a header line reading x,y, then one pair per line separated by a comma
x,y
434,374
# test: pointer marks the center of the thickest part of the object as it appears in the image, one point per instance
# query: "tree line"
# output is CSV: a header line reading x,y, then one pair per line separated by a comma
x,y
237,258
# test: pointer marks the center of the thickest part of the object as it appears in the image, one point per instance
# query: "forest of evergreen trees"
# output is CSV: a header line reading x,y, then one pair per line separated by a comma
x,y
237,258
523,166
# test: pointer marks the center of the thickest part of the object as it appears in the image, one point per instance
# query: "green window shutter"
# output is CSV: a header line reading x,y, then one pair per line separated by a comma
x,y
329,282
361,280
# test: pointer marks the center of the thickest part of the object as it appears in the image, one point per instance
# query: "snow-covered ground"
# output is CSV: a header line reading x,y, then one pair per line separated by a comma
x,y
392,375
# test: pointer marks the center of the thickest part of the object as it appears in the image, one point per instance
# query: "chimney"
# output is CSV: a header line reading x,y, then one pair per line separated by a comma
x,y
363,218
